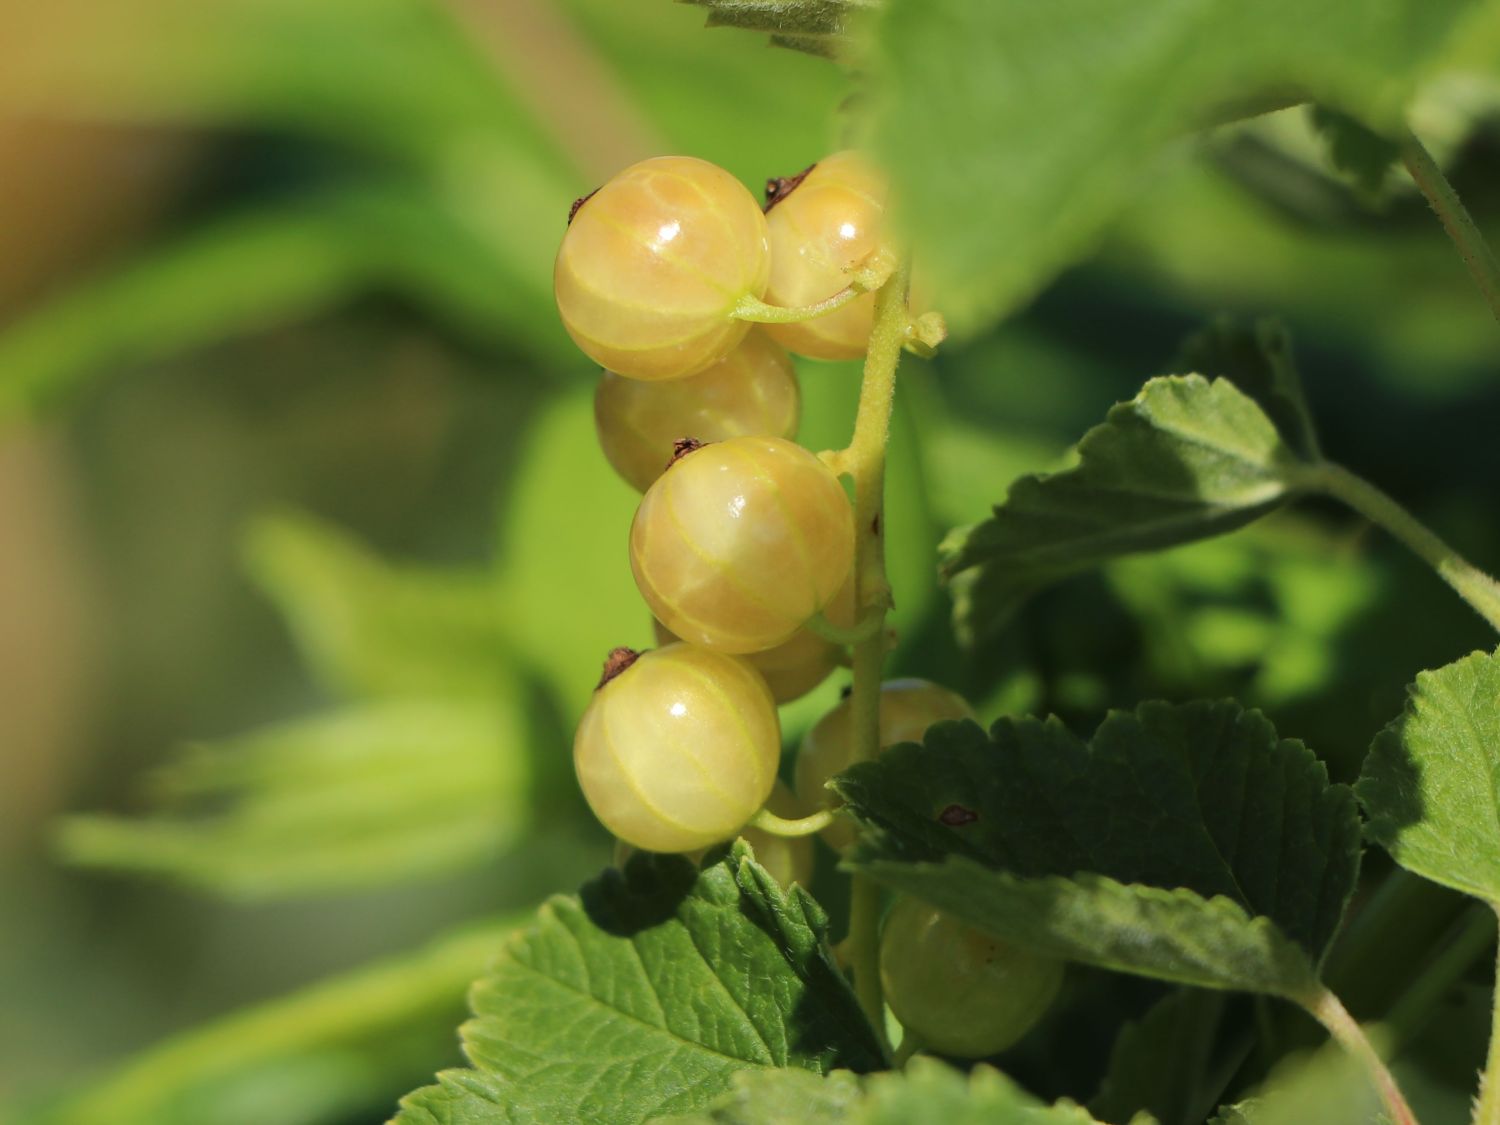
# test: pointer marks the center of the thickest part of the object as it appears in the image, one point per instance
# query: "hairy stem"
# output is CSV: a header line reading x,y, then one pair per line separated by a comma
x,y
864,461
1472,584
1487,1106
1455,218
1325,1007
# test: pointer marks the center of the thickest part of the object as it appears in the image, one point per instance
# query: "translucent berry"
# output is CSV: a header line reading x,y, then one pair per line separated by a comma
x,y
907,709
796,666
679,749
753,390
654,262
740,542
960,991
826,226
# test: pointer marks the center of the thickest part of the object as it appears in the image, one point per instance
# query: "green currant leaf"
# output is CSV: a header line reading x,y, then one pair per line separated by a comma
x,y
1183,842
1015,132
819,27
1164,1062
925,1091
367,1027
1431,782
642,996
1258,361
370,629
1327,1086
1185,459
384,791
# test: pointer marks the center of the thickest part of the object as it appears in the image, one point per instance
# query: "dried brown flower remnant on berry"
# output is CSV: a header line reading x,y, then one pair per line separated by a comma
x,y
616,662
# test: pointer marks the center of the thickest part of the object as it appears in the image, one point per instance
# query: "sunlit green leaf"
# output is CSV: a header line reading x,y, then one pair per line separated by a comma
x,y
1184,842
379,792
1185,459
1015,131
644,995
1431,783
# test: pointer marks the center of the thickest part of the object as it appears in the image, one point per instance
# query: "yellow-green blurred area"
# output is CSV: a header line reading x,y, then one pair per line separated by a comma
x,y
308,558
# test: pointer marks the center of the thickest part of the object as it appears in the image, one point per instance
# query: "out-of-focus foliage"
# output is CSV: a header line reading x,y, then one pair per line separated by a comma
x,y
343,307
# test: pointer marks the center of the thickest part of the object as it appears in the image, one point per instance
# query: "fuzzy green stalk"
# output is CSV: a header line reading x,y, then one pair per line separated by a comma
x,y
864,461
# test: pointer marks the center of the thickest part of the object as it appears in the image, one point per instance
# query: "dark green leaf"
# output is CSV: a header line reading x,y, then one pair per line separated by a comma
x,y
1015,131
1361,154
1431,783
644,996
1185,842
1161,1062
380,792
1185,459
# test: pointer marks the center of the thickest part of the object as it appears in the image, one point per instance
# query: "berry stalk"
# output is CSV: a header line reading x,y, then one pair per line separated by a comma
x,y
864,461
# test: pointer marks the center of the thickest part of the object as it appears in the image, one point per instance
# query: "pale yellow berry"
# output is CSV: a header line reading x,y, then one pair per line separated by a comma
x,y
679,750
740,542
907,709
753,390
829,225
653,264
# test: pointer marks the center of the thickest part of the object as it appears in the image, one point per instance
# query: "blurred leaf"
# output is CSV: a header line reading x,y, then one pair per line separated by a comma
x,y
645,994
252,272
1362,155
324,68
360,1023
1328,1086
776,1097
370,629
929,1091
365,796
565,585
1158,1063
1014,132
1429,785
1185,842
819,27
1185,459
926,1090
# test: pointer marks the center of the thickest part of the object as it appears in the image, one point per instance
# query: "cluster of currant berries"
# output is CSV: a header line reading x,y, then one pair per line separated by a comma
x,y
742,536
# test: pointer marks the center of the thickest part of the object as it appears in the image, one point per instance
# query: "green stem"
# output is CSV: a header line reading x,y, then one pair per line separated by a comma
x,y
1325,1007
911,1043
864,461
1472,584
767,821
1455,218
757,311
1487,1107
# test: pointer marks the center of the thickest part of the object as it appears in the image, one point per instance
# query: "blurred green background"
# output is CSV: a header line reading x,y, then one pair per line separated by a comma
x,y
308,558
